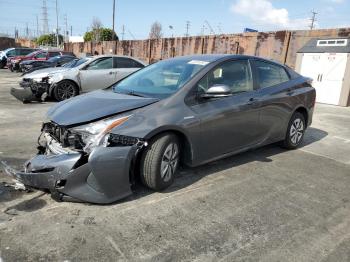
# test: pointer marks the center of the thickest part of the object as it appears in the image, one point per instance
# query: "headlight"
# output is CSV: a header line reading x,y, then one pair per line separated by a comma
x,y
96,133
37,79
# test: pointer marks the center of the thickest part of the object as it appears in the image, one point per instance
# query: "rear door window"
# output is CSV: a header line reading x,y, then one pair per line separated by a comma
x,y
53,54
269,74
123,62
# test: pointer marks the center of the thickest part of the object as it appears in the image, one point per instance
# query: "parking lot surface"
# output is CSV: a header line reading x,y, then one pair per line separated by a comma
x,y
268,204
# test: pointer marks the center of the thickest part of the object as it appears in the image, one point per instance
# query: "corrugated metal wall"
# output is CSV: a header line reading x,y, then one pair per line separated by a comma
x,y
280,46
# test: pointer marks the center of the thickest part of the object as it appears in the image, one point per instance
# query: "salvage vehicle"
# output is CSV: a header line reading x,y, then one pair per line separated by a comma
x,y
99,72
186,110
39,55
12,52
31,88
29,66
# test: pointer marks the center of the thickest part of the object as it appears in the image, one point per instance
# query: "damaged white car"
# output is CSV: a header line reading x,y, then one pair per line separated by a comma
x,y
79,76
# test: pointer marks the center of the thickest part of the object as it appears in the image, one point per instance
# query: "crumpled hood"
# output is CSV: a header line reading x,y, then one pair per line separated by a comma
x,y
45,72
93,106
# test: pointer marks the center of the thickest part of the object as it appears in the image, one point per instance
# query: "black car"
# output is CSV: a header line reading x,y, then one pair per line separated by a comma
x,y
29,66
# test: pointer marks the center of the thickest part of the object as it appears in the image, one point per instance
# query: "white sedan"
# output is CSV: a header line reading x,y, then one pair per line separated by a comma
x,y
86,75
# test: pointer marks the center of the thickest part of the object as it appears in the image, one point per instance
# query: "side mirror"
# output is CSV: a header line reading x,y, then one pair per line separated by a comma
x,y
217,91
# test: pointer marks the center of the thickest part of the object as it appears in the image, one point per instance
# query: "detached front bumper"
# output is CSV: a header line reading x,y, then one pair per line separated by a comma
x,y
30,91
102,177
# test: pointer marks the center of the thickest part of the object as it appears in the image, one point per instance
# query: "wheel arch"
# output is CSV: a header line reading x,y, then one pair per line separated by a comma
x,y
302,110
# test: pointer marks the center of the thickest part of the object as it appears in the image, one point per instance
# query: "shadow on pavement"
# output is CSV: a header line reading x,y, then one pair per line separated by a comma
x,y
188,176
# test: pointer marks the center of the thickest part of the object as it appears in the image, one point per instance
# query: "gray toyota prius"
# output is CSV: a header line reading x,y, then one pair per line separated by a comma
x,y
182,111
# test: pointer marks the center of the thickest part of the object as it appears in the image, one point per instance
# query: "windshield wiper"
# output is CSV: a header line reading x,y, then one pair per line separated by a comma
x,y
132,93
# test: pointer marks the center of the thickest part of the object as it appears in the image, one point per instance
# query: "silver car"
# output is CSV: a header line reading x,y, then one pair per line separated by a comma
x,y
69,81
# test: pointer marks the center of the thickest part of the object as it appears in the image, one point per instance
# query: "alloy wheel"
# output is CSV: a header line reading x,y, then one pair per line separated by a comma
x,y
65,91
296,131
169,162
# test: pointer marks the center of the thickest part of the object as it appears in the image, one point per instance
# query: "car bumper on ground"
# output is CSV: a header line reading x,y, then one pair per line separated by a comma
x,y
101,177
30,91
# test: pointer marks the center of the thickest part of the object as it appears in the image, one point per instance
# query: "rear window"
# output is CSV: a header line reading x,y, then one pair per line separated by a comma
x,y
270,74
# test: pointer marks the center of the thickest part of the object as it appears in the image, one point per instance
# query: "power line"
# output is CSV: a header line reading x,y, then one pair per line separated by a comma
x,y
123,32
313,19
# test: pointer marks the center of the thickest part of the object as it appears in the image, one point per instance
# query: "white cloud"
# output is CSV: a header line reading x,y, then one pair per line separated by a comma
x,y
337,1
263,13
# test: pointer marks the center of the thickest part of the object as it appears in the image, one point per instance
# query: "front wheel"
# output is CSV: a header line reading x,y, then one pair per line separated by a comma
x,y
160,161
65,90
295,132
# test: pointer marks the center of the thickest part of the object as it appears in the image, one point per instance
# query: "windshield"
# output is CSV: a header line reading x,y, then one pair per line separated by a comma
x,y
75,63
161,79
53,59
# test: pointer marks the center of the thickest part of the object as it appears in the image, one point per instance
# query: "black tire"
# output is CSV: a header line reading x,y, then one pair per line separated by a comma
x,y
2,64
295,132
64,90
154,159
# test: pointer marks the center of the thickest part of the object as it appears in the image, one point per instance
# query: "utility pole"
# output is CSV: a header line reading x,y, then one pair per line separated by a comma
x,y
123,32
71,30
37,26
113,19
57,38
313,19
188,23
66,33
27,31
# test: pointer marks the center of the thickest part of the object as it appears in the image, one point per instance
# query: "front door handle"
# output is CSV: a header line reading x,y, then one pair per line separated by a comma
x,y
251,101
290,92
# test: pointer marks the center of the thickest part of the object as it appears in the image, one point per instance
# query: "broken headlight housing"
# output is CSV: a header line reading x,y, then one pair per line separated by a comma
x,y
96,133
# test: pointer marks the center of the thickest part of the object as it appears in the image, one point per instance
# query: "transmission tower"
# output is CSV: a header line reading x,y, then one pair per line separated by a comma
x,y
45,19
209,26
188,23
313,19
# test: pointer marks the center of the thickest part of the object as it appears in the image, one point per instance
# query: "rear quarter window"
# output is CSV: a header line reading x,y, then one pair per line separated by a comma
x,y
269,74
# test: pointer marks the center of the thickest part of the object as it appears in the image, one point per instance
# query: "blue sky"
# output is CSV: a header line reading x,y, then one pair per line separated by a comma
x,y
226,16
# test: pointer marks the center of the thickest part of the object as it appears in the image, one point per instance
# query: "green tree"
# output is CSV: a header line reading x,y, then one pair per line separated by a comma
x,y
49,39
100,34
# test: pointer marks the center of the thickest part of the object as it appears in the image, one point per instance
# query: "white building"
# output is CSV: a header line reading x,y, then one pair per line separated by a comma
x,y
327,62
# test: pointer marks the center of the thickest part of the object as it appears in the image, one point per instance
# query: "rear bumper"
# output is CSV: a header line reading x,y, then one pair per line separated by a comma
x,y
102,178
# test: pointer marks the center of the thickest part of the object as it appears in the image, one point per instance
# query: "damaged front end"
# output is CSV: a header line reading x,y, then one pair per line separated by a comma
x,y
32,89
70,172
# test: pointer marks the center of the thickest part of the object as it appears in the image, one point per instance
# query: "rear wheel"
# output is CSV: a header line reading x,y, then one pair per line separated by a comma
x,y
295,132
160,162
65,90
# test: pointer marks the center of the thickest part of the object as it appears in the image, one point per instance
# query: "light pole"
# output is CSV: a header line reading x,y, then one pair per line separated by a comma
x,y
57,43
172,30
